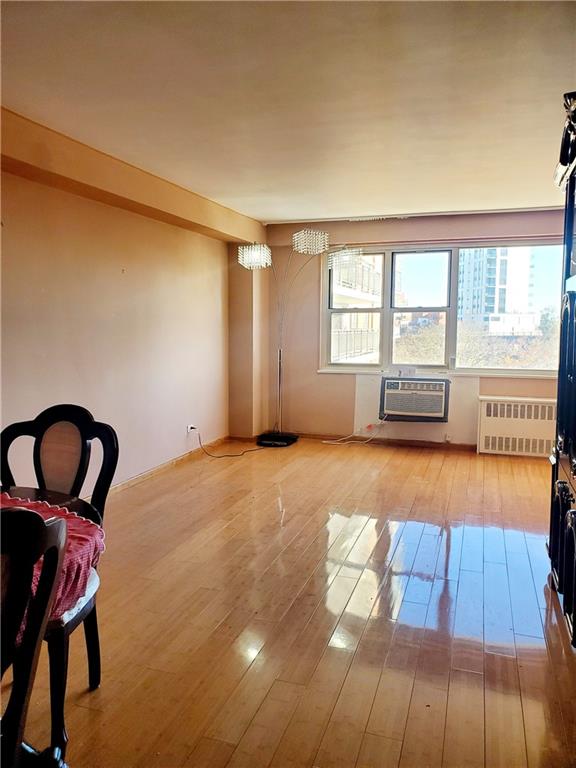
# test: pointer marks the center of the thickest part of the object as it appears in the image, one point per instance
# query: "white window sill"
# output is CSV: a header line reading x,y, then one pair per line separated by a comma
x,y
483,373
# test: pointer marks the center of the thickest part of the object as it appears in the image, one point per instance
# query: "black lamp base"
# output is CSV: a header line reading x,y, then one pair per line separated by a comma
x,y
276,439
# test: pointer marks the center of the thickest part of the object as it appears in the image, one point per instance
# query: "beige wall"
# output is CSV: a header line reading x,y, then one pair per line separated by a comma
x,y
241,352
117,312
261,350
333,404
316,404
502,386
248,356
41,154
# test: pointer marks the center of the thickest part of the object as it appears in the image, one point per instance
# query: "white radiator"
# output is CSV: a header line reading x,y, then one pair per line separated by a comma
x,y
521,426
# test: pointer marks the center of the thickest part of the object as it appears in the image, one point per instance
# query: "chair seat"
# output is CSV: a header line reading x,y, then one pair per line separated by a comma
x,y
91,589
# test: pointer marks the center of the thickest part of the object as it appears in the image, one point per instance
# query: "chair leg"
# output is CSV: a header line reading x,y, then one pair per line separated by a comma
x,y
58,642
92,649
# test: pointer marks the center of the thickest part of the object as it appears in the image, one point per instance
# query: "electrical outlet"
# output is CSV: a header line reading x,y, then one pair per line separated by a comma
x,y
191,428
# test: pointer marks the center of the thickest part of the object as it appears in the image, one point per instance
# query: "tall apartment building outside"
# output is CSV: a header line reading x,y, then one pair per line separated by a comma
x,y
496,290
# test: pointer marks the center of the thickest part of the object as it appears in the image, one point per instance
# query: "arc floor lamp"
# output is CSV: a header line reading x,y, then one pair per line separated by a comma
x,y
307,242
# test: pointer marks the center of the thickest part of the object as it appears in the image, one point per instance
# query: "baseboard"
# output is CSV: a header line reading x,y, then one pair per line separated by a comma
x,y
196,453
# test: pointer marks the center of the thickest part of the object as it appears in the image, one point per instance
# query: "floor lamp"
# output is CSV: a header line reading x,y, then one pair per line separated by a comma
x,y
307,242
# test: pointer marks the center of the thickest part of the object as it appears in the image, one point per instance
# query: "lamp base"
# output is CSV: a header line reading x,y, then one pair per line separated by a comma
x,y
276,439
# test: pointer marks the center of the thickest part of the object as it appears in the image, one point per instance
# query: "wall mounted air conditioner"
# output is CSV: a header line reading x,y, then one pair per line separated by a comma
x,y
414,399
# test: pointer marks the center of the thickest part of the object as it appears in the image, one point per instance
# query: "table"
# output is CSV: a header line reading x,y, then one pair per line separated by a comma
x,y
81,507
84,545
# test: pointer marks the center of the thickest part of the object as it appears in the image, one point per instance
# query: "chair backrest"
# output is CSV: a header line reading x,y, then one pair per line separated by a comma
x,y
26,537
63,437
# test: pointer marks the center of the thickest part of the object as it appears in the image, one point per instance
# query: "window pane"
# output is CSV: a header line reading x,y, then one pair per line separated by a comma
x,y
421,279
355,337
509,307
355,279
419,338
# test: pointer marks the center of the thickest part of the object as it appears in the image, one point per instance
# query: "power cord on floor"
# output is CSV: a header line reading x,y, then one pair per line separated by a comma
x,y
347,441
225,455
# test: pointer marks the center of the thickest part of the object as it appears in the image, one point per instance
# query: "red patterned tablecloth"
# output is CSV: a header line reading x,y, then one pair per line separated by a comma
x,y
84,545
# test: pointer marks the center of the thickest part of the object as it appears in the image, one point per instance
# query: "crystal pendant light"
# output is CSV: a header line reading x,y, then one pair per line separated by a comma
x,y
310,242
343,256
254,256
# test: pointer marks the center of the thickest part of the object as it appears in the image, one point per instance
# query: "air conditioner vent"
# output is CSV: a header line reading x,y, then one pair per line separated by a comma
x,y
414,399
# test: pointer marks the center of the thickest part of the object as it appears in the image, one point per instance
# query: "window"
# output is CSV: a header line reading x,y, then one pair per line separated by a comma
x,y
502,300
355,284
420,285
493,307
523,333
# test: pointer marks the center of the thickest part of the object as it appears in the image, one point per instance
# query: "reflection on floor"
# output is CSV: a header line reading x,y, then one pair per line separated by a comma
x,y
327,606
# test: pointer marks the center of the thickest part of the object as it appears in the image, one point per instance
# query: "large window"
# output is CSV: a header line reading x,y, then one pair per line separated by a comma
x,y
493,307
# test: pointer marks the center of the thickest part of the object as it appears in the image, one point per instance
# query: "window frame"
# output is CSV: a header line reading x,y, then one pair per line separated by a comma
x,y
385,364
394,310
328,311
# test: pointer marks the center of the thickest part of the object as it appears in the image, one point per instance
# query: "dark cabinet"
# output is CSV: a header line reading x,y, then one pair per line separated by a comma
x,y
562,538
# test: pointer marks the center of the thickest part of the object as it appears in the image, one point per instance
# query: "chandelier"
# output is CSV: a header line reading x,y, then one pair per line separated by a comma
x,y
343,256
310,242
255,256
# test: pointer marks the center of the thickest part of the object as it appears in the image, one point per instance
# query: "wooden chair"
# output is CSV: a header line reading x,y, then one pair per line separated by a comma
x,y
26,537
63,437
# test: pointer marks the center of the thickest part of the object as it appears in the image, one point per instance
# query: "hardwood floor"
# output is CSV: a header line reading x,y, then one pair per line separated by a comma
x,y
367,606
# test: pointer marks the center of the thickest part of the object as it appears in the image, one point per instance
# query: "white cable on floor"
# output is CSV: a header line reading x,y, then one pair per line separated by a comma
x,y
347,441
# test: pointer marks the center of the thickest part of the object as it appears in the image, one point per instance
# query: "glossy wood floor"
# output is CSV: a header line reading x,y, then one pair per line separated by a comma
x,y
323,606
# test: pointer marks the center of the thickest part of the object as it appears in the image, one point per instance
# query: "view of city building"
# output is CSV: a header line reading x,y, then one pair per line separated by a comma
x,y
509,307
496,290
